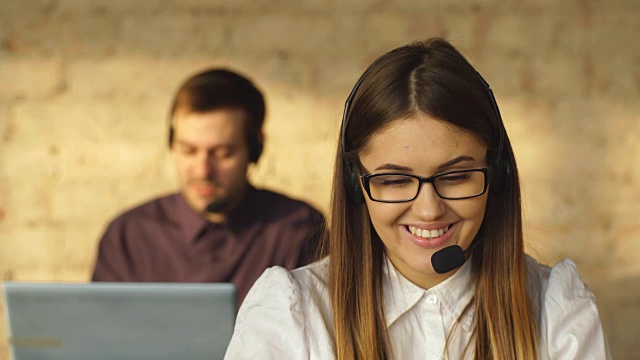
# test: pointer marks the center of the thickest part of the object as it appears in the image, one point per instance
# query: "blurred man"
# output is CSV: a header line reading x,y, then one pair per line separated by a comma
x,y
218,228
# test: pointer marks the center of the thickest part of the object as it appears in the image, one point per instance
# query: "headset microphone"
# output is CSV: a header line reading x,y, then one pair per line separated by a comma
x,y
451,257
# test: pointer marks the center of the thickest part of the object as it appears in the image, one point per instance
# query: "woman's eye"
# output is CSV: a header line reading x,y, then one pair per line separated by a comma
x,y
393,181
453,179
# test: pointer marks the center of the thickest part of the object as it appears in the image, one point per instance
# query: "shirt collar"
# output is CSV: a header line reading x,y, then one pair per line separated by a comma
x,y
401,295
246,210
193,224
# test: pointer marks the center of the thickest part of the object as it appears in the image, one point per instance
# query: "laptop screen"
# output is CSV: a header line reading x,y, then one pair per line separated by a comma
x,y
119,320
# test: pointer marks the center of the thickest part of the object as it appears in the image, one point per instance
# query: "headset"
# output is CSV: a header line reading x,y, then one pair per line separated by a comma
x,y
499,160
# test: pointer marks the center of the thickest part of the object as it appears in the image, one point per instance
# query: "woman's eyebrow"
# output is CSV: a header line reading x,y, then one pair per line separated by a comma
x,y
459,159
389,166
455,161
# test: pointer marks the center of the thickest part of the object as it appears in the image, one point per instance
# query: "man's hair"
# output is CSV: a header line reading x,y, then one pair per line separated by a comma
x,y
217,89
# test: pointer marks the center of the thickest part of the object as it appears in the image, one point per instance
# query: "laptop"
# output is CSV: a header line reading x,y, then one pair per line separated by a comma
x,y
95,321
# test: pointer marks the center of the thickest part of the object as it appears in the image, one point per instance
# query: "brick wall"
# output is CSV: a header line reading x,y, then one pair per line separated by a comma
x,y
85,88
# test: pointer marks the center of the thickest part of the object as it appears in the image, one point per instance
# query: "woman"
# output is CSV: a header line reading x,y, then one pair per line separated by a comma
x,y
424,169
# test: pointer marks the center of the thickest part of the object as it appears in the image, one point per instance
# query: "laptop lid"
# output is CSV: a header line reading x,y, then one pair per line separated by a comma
x,y
119,320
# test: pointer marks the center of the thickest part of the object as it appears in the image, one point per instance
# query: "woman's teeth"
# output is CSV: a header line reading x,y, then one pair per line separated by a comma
x,y
428,234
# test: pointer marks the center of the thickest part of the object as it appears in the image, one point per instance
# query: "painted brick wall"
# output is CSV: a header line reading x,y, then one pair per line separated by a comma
x,y
85,88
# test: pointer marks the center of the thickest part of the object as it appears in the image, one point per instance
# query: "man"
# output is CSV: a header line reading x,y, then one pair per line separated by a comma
x,y
219,228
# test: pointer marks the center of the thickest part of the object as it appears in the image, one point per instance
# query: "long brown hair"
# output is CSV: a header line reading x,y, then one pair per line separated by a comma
x,y
433,78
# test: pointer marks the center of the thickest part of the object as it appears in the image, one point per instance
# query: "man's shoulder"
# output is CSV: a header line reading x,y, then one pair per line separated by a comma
x,y
282,204
141,221
159,208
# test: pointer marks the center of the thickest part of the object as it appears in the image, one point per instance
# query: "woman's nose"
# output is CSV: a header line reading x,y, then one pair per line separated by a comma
x,y
428,204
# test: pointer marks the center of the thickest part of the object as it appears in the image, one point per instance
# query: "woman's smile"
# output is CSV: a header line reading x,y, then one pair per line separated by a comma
x,y
429,237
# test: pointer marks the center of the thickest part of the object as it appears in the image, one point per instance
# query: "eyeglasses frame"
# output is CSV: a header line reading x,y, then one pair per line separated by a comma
x,y
366,177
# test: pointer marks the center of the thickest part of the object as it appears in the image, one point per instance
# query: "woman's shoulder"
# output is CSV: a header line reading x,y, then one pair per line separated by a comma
x,y
313,275
279,287
285,315
569,318
561,279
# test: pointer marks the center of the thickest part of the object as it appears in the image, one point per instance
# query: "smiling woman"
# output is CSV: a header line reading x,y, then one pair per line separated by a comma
x,y
419,221
426,257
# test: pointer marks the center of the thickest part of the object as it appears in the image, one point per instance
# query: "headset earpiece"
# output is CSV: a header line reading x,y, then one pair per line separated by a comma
x,y
500,168
170,135
255,150
352,182
505,164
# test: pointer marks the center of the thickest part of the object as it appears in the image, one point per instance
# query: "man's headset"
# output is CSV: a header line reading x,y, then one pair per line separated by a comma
x,y
498,159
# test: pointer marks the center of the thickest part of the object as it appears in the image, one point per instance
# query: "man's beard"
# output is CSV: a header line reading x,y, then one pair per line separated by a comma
x,y
226,202
222,202
217,206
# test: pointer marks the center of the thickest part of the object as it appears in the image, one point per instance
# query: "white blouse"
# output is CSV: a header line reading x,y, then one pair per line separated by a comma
x,y
287,315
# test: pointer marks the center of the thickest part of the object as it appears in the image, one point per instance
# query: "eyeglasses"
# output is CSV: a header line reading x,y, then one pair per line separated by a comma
x,y
452,185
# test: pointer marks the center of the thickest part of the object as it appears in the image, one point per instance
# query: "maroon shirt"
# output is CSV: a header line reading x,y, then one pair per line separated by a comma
x,y
164,240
